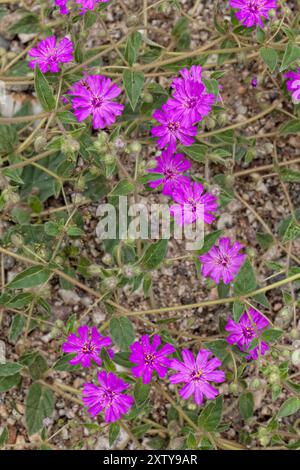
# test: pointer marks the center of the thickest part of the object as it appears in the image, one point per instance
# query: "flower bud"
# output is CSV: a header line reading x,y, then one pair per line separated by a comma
x,y
296,358
284,317
230,179
59,324
147,98
133,20
215,190
109,158
274,378
17,240
222,119
129,271
59,260
272,13
40,143
135,147
295,333
70,147
234,388
107,259
95,171
119,143
255,383
94,270
210,123
110,283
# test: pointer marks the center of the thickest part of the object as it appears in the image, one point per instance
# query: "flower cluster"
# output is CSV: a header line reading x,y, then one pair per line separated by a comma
x,y
251,12
147,357
179,116
246,331
189,104
84,5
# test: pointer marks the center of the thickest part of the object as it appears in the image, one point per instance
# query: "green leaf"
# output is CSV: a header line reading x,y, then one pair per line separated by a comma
x,y
210,417
36,364
31,277
122,332
6,383
245,281
294,386
10,368
133,83
38,181
39,405
246,405
238,310
16,327
209,241
269,56
271,335
290,127
122,359
114,431
8,139
43,90
132,47
291,54
154,255
107,363
63,364
75,231
218,348
28,24
20,300
3,437
196,152
289,407
141,392
123,188
290,176
265,240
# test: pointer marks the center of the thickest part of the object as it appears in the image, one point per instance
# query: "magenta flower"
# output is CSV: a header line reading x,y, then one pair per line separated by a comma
x,y
197,373
48,55
62,4
148,358
172,128
193,204
93,96
172,168
89,4
108,396
293,84
251,12
248,328
194,73
254,82
191,101
222,262
86,346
